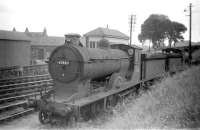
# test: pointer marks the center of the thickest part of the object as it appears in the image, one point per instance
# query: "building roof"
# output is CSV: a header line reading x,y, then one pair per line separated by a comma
x,y
106,32
10,35
34,34
48,41
42,39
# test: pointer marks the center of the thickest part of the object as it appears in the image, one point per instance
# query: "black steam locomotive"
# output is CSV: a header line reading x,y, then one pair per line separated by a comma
x,y
89,80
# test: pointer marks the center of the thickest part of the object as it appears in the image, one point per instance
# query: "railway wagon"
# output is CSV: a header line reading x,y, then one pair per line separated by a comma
x,y
196,57
158,64
87,81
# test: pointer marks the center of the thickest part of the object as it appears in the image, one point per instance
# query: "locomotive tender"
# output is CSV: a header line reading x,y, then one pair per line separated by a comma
x,y
89,80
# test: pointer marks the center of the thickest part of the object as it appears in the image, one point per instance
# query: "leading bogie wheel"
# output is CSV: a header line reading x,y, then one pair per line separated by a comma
x,y
44,117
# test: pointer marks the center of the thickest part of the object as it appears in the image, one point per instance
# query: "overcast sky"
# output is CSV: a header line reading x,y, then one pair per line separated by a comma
x,y
80,16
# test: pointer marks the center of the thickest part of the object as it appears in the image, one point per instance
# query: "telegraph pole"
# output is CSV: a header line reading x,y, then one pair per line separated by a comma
x,y
132,21
190,34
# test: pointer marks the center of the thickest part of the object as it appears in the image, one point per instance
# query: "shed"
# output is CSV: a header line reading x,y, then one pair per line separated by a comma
x,y
14,49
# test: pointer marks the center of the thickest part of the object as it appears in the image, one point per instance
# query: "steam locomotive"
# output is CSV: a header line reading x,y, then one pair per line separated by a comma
x,y
89,80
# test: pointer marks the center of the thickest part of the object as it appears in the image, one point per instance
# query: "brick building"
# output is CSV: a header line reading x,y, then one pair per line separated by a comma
x,y
42,45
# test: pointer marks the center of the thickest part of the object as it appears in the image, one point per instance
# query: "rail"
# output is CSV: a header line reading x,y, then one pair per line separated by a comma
x,y
8,81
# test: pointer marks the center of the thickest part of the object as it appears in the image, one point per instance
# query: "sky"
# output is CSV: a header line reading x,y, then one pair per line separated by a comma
x,y
60,17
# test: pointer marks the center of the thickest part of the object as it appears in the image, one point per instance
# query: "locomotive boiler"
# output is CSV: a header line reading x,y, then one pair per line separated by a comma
x,y
70,63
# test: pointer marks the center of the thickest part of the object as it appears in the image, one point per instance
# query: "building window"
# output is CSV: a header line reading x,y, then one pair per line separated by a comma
x,y
97,44
90,44
93,44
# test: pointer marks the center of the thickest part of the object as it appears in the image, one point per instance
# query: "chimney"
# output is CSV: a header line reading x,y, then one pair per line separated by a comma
x,y
26,31
45,32
14,30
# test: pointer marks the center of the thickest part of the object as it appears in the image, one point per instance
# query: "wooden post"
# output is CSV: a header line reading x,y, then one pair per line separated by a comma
x,y
104,103
167,64
142,67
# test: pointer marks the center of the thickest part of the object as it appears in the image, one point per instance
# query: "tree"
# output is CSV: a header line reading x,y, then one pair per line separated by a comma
x,y
153,29
175,32
158,28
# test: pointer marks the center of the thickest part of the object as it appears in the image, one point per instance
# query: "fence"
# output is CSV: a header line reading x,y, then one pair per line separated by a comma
x,y
16,71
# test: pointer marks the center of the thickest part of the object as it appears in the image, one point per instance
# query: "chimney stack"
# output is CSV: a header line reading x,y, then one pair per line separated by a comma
x,y
14,30
45,32
26,31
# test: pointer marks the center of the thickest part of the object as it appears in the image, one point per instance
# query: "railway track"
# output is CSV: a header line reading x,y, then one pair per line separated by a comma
x,y
23,79
15,92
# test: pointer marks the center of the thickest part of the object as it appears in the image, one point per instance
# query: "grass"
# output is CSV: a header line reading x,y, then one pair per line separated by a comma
x,y
172,103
